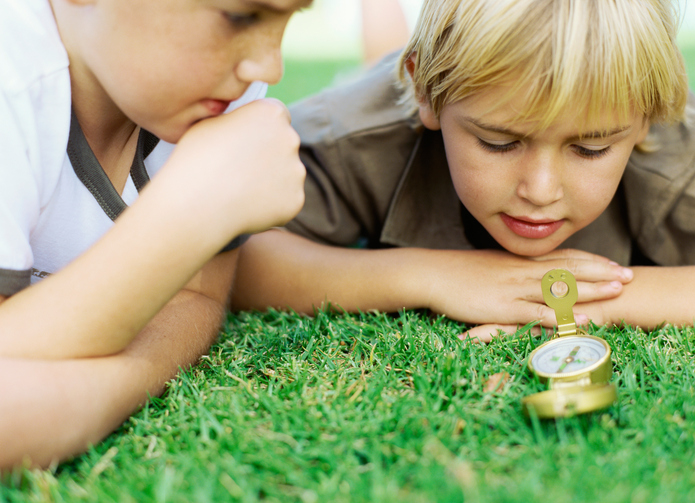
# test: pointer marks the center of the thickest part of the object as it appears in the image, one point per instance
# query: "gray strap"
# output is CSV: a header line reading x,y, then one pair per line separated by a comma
x,y
12,281
92,175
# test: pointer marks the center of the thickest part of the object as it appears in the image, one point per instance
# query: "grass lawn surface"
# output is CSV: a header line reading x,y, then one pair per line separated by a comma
x,y
387,408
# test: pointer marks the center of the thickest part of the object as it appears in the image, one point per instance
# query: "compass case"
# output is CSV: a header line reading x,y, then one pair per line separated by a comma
x,y
599,372
569,401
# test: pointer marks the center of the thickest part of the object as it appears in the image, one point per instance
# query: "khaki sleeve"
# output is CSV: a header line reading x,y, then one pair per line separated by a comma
x,y
356,143
328,216
680,226
660,196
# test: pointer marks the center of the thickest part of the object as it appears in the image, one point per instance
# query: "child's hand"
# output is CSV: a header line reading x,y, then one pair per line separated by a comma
x,y
239,172
508,288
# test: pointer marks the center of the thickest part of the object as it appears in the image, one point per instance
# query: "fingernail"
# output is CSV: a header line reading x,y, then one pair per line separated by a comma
x,y
627,273
613,263
615,285
581,319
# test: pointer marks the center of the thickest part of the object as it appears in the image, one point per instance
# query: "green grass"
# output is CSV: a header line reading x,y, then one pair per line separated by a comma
x,y
689,56
389,408
303,78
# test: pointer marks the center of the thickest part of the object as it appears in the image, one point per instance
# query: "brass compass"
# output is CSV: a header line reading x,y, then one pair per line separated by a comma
x,y
577,366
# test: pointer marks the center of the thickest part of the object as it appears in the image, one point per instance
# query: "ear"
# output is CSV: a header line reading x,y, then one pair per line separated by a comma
x,y
643,132
427,116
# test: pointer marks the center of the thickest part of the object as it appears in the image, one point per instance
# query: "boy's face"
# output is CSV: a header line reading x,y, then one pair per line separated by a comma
x,y
169,63
532,190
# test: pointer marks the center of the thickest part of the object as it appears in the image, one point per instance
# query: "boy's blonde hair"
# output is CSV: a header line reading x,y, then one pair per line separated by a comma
x,y
610,54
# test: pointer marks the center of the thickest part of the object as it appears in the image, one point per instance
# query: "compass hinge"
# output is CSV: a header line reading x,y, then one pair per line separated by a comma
x,y
566,329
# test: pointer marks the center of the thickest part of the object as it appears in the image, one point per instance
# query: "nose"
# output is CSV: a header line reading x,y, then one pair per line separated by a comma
x,y
263,61
540,178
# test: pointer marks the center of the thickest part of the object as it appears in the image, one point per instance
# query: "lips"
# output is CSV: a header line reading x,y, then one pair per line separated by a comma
x,y
216,107
531,229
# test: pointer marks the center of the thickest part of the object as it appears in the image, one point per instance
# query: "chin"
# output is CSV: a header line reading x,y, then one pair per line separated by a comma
x,y
530,249
170,129
527,247
170,135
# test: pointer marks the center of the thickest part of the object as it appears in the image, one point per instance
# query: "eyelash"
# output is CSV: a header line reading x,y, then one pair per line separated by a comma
x,y
493,147
591,154
507,147
241,21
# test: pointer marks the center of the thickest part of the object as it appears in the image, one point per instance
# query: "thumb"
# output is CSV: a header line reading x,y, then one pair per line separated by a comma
x,y
485,333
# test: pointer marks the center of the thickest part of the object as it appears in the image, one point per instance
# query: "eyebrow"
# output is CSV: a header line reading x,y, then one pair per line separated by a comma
x,y
510,132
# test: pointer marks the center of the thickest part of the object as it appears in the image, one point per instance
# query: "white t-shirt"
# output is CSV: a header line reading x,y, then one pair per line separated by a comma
x,y
48,216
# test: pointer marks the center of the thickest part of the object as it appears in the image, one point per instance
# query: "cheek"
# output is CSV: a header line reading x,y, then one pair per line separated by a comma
x,y
183,55
464,175
478,181
592,193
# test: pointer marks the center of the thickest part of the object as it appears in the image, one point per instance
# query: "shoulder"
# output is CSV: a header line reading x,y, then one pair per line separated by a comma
x,y
674,147
35,111
34,81
370,102
32,49
660,192
664,171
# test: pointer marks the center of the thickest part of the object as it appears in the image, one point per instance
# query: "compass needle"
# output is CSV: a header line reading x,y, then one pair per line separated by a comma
x,y
569,359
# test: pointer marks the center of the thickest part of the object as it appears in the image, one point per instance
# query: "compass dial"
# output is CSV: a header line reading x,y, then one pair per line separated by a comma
x,y
568,355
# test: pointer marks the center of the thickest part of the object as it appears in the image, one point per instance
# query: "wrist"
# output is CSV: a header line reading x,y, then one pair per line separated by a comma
x,y
420,278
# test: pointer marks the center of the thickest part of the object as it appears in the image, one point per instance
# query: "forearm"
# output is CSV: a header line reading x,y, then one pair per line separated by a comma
x,y
654,296
97,304
220,181
50,410
279,269
282,270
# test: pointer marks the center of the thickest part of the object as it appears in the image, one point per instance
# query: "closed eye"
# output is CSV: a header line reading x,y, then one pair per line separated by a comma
x,y
590,153
498,148
241,21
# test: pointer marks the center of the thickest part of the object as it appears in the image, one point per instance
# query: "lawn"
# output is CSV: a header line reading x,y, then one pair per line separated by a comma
x,y
389,408
379,408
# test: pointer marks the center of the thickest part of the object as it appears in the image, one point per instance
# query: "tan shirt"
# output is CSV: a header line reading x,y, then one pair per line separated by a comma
x,y
377,178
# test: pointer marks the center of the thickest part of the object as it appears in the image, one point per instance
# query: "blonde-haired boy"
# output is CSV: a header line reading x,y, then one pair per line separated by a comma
x,y
538,134
619,55
109,282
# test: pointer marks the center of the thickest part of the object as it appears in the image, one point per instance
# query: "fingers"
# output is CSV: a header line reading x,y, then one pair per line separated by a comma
x,y
589,292
485,333
589,270
590,267
597,277
546,316
571,253
273,102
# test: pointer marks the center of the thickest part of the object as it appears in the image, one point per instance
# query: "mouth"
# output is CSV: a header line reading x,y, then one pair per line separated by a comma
x,y
532,229
216,107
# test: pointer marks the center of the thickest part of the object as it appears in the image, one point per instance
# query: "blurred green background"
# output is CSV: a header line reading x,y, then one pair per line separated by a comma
x,y
305,77
323,46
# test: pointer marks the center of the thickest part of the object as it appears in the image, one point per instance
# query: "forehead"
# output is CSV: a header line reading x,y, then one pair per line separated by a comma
x,y
521,107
